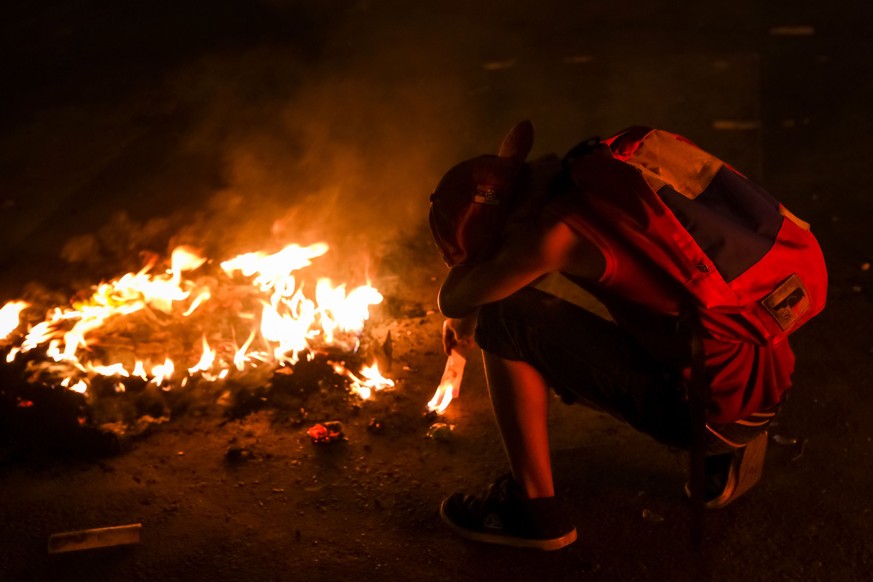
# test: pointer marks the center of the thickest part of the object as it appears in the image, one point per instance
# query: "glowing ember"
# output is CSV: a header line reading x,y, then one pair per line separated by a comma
x,y
143,325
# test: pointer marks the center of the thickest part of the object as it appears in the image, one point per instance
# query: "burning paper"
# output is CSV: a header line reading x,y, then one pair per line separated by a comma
x,y
450,384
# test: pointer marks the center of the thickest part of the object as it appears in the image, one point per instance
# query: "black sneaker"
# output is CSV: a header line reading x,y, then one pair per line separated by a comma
x,y
504,515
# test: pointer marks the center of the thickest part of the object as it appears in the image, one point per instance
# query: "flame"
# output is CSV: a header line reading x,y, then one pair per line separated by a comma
x,y
123,296
239,358
10,317
163,372
346,313
274,271
113,370
139,370
281,324
288,328
441,399
206,359
81,387
372,379
450,383
202,297
184,258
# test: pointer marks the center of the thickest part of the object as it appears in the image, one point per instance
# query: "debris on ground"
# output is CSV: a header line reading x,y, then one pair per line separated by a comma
x,y
652,517
326,433
440,431
237,454
431,416
799,455
388,350
88,539
783,440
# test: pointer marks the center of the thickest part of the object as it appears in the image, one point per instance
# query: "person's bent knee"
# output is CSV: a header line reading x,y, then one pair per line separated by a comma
x,y
495,333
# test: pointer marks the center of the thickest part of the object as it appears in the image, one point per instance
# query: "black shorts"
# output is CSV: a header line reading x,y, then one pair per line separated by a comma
x,y
590,360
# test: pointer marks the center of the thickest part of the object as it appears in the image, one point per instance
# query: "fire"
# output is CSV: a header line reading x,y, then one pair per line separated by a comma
x,y
206,360
81,387
372,379
450,384
344,313
139,370
113,370
10,316
271,311
441,399
163,372
274,271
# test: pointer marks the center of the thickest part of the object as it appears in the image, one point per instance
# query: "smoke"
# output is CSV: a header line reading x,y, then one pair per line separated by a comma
x,y
279,121
344,148
345,145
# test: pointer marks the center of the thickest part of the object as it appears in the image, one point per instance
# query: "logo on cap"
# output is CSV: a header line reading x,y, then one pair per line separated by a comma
x,y
486,194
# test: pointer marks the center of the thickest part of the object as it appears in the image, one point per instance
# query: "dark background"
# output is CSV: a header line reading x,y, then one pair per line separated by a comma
x,y
130,126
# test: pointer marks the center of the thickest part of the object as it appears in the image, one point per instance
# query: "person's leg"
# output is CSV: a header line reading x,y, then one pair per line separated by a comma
x,y
520,399
541,340
531,341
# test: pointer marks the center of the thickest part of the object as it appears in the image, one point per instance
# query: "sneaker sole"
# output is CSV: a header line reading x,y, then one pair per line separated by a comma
x,y
752,464
505,540
742,477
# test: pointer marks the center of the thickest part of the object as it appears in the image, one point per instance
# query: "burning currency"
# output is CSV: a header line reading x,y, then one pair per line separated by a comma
x,y
450,384
88,539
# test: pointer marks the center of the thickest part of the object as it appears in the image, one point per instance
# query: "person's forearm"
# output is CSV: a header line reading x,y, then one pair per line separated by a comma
x,y
523,257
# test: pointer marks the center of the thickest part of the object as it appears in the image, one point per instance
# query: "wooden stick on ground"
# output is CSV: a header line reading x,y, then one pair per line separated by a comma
x,y
87,539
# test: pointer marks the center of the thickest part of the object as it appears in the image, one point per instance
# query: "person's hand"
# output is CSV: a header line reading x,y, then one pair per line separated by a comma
x,y
458,334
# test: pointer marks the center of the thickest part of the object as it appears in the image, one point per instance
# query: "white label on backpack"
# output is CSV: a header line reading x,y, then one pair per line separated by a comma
x,y
788,302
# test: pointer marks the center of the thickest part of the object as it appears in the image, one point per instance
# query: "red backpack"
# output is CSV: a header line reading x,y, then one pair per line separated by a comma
x,y
753,271
736,249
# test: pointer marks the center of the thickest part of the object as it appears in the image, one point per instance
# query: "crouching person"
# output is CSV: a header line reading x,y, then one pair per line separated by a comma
x,y
636,221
